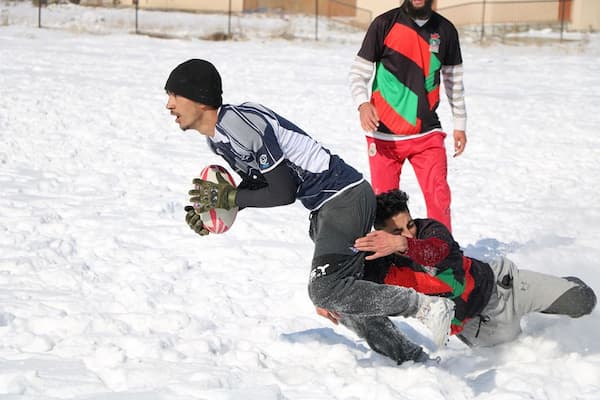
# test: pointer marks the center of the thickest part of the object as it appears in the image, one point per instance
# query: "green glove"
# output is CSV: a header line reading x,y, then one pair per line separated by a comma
x,y
194,221
209,195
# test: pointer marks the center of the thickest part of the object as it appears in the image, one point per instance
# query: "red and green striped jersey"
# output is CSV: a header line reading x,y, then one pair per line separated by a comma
x,y
467,281
409,57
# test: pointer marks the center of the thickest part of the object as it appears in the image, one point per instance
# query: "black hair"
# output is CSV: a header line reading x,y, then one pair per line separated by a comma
x,y
389,204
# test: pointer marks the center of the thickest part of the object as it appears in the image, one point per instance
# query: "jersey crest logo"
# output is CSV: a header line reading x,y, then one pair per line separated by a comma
x,y
434,43
263,160
372,150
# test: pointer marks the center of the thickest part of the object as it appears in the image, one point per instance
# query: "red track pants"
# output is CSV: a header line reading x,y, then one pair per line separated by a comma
x,y
427,155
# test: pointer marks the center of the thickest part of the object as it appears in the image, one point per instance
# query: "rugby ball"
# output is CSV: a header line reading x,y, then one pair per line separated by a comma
x,y
217,220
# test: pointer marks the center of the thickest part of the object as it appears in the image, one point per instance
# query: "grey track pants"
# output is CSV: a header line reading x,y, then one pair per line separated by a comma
x,y
519,292
337,268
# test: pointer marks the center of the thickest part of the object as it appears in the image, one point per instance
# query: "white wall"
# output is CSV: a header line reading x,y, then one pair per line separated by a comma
x,y
585,15
378,7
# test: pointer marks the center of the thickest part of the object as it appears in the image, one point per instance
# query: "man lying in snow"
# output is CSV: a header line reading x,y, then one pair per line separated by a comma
x,y
490,297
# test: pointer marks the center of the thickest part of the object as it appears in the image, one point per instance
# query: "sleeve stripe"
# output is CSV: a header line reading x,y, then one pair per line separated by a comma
x,y
455,91
360,74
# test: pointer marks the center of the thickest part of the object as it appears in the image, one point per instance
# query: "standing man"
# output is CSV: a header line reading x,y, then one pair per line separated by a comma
x,y
406,48
279,163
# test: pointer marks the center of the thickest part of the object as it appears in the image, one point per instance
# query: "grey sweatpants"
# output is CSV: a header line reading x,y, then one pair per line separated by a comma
x,y
337,268
519,292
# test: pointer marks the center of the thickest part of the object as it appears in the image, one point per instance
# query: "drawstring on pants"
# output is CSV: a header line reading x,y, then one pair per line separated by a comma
x,y
483,319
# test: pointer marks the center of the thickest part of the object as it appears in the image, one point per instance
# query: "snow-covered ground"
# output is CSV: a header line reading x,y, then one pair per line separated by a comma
x,y
105,293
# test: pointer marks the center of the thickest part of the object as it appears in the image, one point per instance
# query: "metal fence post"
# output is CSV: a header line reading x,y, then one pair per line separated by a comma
x,y
317,20
562,18
482,20
136,2
39,13
229,22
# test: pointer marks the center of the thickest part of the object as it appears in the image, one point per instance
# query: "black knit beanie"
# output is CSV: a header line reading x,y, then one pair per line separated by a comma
x,y
196,80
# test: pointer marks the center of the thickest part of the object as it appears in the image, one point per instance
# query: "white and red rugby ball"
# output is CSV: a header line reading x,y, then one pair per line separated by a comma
x,y
217,220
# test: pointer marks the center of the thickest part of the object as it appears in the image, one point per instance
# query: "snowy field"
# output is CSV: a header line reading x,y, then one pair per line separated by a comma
x,y
105,293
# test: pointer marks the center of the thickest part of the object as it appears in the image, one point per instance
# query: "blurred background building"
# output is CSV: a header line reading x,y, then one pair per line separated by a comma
x,y
578,15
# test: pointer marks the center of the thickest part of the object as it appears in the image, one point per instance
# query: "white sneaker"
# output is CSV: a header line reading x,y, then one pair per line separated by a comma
x,y
436,314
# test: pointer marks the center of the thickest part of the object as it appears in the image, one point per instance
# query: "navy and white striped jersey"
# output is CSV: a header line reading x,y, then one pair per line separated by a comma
x,y
254,140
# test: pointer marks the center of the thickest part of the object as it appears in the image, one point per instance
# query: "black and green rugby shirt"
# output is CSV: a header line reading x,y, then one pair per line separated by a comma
x,y
408,58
